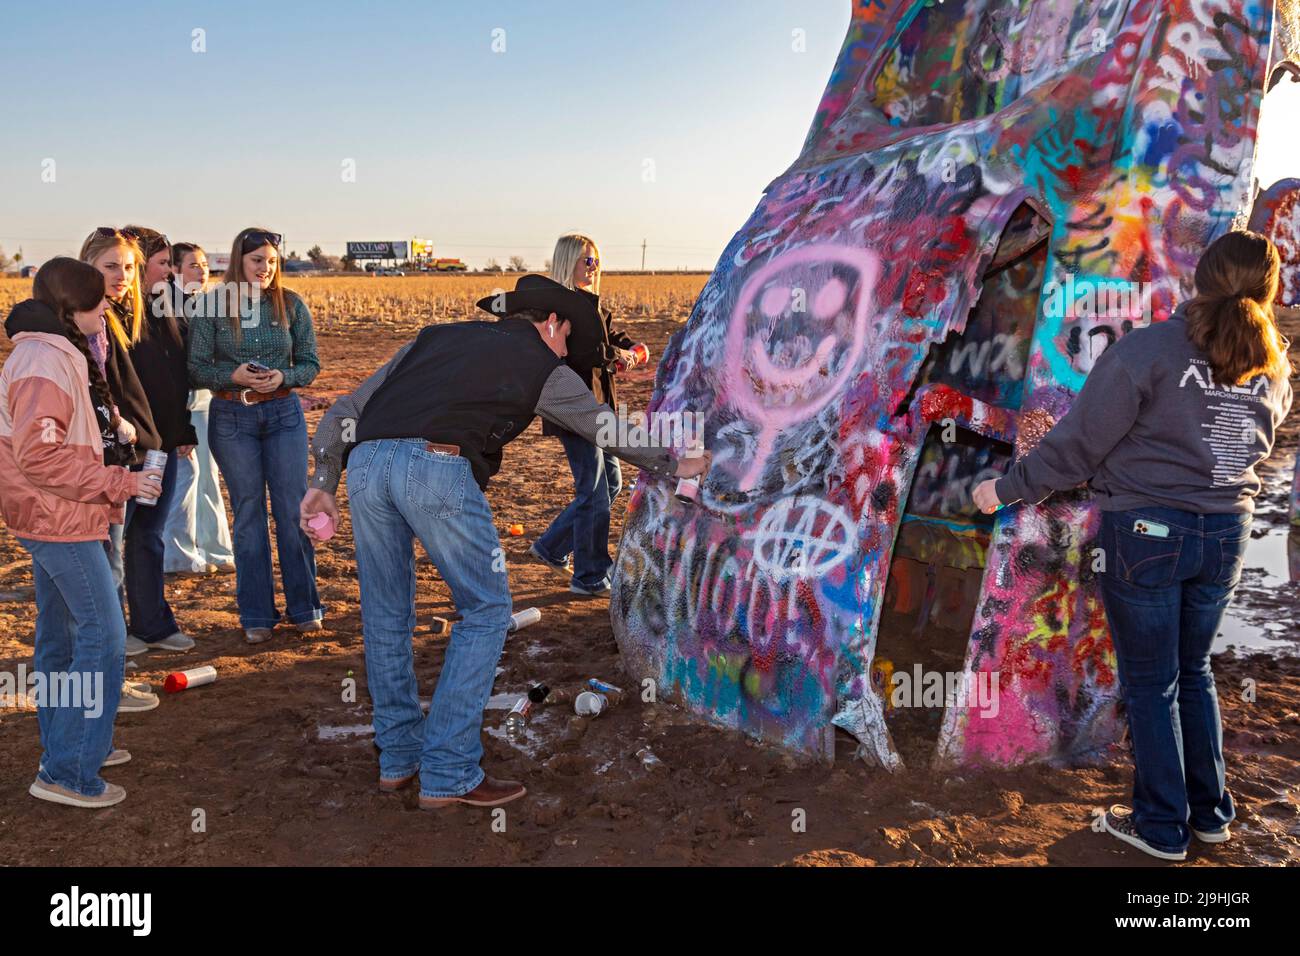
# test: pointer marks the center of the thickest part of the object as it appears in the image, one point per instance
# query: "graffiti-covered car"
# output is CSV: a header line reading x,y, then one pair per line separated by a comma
x,y
991,193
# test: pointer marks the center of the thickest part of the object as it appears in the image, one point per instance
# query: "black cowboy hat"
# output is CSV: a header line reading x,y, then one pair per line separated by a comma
x,y
586,328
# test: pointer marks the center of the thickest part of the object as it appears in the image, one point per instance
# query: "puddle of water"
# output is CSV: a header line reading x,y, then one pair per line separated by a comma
x,y
1277,554
342,732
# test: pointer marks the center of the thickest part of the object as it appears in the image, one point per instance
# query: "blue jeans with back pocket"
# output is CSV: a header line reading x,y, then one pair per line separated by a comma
x,y
1165,598
398,492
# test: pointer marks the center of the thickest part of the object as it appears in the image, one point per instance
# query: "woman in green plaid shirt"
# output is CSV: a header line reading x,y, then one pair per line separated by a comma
x,y
252,344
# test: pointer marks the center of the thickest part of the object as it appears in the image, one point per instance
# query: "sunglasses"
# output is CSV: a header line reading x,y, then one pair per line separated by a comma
x,y
591,262
149,242
260,237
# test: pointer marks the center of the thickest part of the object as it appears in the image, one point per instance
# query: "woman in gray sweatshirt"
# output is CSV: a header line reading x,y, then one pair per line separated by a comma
x,y
1167,431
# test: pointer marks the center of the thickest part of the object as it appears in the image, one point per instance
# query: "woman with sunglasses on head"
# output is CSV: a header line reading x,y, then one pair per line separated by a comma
x,y
582,528
58,498
117,256
159,360
252,344
197,536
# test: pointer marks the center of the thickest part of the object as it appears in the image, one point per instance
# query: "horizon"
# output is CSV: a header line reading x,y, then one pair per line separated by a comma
x,y
364,153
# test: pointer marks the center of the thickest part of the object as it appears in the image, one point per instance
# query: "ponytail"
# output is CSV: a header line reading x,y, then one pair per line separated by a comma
x,y
1231,317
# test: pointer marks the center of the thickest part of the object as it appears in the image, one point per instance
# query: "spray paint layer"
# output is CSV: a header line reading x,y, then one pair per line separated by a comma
x,y
990,194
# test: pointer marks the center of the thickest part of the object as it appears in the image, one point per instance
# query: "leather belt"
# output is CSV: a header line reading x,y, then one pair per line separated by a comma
x,y
437,449
246,396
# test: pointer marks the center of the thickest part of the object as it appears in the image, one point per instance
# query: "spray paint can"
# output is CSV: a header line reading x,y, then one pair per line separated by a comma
x,y
688,489
517,719
613,694
521,619
178,681
153,461
590,704
323,525
640,355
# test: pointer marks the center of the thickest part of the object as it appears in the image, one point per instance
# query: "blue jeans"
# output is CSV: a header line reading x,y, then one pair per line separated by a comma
x,y
197,534
263,448
79,630
1164,599
583,526
142,562
399,492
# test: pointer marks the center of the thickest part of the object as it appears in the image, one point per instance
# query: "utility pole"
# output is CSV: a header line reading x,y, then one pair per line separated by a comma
x,y
643,255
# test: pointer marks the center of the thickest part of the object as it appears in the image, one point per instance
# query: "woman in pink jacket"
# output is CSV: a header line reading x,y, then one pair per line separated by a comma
x,y
58,497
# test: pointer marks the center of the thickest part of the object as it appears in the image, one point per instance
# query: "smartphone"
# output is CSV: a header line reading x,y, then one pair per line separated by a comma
x,y
257,367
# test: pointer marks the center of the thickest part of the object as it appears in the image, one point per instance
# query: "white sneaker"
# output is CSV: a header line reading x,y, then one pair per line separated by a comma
x,y
136,702
177,642
55,794
1220,835
135,646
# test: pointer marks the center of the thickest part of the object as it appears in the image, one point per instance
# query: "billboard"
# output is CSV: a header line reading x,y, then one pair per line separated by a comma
x,y
421,248
378,250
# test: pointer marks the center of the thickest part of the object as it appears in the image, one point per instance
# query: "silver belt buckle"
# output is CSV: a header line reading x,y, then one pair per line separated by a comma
x,y
243,396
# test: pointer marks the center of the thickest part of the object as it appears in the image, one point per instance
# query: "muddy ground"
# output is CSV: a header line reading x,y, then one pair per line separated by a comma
x,y
279,770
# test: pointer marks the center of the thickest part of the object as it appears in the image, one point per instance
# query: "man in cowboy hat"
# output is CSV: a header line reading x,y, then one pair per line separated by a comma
x,y
420,438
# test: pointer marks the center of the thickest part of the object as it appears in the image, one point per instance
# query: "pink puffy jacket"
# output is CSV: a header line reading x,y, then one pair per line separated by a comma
x,y
54,485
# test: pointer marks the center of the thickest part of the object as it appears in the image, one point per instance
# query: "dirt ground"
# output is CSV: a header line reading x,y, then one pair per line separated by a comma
x,y
279,770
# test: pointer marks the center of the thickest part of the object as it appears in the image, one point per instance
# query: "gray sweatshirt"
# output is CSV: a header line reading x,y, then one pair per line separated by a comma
x,y
1151,427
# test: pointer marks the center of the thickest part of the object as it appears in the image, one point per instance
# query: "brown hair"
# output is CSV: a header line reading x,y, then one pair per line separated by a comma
x,y
1231,317
152,242
67,285
234,278
132,305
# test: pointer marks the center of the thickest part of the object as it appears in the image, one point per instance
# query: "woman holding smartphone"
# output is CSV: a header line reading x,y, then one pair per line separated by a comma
x,y
58,498
1167,431
252,345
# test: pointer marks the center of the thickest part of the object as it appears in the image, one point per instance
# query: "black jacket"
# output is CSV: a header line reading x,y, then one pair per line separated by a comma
x,y
159,360
472,384
597,371
34,316
129,393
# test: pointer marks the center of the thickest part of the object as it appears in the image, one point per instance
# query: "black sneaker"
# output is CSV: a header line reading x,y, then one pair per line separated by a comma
x,y
1118,822
602,591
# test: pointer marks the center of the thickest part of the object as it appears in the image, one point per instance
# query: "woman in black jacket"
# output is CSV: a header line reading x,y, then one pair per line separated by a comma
x,y
155,351
582,528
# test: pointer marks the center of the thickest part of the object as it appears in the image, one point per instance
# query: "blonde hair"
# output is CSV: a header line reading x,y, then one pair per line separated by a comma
x,y
234,278
568,250
1231,317
132,303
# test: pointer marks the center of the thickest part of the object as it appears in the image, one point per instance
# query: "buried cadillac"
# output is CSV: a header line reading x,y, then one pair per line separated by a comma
x,y
886,331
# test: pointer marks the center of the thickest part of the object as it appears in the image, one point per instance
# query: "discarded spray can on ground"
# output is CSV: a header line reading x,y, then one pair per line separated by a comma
x,y
153,461
521,619
590,704
615,694
178,681
517,719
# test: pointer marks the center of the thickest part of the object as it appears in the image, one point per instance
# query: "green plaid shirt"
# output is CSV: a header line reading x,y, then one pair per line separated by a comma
x,y
214,356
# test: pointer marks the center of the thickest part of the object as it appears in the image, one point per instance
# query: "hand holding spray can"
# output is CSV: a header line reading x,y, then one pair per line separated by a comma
x,y
688,489
153,461
640,356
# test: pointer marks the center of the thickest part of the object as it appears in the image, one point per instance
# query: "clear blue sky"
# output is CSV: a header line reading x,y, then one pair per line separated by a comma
x,y
488,154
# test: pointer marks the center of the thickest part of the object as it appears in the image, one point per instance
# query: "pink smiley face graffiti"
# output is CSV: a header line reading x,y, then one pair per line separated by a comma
x,y
795,339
